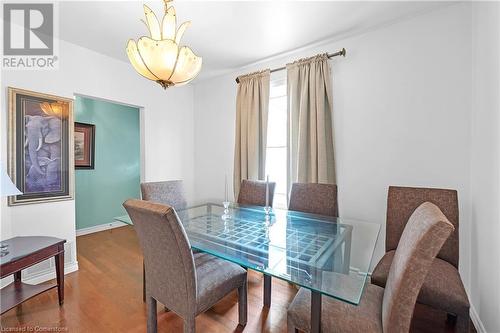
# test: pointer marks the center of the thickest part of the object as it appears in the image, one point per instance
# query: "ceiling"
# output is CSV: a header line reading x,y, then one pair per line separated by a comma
x,y
229,34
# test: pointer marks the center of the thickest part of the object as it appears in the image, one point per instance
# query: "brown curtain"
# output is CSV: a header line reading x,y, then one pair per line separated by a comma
x,y
310,148
252,105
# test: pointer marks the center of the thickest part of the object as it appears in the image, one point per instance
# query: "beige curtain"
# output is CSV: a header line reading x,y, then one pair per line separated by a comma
x,y
252,103
310,149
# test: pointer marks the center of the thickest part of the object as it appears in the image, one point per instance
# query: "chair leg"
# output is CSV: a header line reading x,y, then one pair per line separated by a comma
x,y
143,282
151,306
242,304
462,324
189,325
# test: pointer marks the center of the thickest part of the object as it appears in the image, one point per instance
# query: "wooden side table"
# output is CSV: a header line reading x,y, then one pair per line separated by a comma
x,y
19,253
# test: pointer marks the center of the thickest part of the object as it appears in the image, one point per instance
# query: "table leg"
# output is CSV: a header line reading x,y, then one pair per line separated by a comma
x,y
60,276
347,252
315,312
17,279
267,290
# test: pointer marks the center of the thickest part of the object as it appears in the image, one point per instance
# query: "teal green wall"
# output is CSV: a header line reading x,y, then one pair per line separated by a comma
x,y
116,175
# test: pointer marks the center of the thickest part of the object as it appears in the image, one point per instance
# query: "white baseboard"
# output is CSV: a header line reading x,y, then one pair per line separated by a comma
x,y
100,227
49,274
41,275
478,324
6,281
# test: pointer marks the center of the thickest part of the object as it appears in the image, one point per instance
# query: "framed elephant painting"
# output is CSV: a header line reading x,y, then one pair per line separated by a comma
x,y
41,147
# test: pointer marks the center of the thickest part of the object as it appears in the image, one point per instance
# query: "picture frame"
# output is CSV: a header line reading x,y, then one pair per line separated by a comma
x,y
84,145
41,148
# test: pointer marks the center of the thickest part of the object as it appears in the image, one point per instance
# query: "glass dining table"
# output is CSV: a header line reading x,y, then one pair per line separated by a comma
x,y
329,256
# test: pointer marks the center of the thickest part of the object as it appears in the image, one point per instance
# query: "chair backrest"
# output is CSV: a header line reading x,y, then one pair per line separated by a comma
x,y
167,192
253,192
402,202
314,198
169,263
422,238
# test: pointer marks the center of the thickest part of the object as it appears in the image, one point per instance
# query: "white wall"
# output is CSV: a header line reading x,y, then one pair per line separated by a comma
x,y
413,106
401,116
415,103
485,166
167,126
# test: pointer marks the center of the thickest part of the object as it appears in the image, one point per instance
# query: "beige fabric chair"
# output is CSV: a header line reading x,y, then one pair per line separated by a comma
x,y
443,288
169,192
388,310
253,192
188,284
314,198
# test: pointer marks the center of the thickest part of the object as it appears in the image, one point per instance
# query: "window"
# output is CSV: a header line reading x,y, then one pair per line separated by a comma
x,y
276,147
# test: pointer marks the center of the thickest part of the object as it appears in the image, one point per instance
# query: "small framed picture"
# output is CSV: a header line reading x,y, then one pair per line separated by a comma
x,y
84,145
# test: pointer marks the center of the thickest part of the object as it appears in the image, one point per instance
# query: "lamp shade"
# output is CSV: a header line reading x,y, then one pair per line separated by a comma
x,y
160,57
6,186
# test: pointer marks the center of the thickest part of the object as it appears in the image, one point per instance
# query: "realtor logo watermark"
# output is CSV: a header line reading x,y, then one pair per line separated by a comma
x,y
28,36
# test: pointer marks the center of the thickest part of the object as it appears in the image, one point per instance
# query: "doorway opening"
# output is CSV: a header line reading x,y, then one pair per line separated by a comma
x,y
118,162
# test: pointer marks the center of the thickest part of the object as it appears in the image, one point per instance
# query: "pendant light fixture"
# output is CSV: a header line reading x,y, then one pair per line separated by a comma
x,y
160,57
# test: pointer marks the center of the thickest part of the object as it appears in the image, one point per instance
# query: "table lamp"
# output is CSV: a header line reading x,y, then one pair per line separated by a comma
x,y
7,188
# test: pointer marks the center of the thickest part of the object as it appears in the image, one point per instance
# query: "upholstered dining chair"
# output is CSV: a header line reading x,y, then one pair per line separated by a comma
x,y
443,288
169,192
188,284
314,198
388,310
253,192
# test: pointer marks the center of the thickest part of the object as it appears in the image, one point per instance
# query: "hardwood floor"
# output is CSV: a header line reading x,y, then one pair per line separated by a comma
x,y
105,295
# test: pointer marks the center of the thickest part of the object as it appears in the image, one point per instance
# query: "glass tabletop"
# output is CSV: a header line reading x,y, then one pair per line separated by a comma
x,y
325,254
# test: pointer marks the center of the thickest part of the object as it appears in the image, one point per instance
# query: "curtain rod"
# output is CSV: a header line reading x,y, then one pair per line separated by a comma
x,y
330,55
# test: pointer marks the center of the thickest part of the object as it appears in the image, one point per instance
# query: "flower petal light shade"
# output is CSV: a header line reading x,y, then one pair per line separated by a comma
x,y
159,57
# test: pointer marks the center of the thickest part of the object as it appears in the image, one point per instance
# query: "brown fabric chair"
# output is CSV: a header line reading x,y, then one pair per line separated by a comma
x,y
169,192
443,288
388,310
188,284
313,198
253,193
